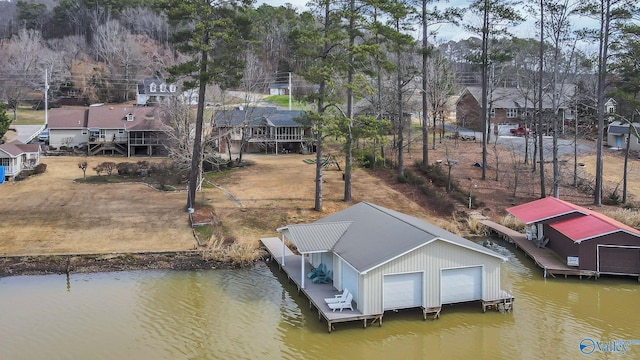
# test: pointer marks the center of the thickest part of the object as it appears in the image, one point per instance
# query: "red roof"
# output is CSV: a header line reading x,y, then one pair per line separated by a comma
x,y
591,224
544,209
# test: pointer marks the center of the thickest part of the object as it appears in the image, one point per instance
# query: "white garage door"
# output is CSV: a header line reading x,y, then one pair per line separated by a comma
x,y
402,291
459,285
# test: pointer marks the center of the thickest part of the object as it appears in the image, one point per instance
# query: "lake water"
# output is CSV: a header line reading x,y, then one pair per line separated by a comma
x,y
255,314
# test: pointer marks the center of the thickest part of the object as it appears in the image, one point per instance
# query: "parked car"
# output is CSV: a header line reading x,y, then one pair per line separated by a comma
x,y
520,131
44,135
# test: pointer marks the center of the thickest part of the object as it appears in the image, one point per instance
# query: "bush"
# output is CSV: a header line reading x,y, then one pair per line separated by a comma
x,y
40,169
106,167
127,169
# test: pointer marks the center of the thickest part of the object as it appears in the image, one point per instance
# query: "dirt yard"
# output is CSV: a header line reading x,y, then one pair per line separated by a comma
x,y
50,214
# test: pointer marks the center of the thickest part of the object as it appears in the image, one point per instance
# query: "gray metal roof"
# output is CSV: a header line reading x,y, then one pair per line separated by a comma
x,y
377,235
617,127
259,116
316,237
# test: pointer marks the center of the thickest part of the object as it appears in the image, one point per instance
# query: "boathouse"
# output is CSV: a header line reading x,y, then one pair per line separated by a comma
x,y
585,239
390,261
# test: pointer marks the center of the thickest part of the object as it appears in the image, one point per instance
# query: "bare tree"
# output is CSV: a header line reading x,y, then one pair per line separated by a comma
x,y
22,67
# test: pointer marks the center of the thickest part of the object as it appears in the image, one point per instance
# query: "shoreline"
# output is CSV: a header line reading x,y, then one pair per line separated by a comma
x,y
24,265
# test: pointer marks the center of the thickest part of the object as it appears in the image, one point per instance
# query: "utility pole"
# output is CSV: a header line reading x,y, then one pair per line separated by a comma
x,y
46,97
290,90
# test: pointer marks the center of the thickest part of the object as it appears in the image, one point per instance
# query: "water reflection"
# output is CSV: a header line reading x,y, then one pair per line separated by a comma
x,y
256,313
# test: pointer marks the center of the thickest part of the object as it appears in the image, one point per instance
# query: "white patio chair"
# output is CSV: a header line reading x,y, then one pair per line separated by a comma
x,y
338,298
346,304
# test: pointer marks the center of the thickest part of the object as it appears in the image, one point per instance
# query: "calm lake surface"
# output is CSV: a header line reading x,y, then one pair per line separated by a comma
x,y
256,314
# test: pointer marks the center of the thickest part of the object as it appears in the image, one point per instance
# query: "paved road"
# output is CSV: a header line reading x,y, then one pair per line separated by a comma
x,y
517,143
26,133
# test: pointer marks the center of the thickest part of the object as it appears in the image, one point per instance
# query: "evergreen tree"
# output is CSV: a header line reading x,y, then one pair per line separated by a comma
x,y
214,34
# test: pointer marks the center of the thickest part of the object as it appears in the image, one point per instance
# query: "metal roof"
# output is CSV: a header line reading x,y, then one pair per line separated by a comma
x,y
259,116
587,225
617,127
544,209
316,237
377,235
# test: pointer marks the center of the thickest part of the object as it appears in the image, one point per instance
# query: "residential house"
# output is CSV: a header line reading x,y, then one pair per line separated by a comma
x,y
16,157
262,129
123,130
390,261
279,89
508,107
618,133
587,239
152,91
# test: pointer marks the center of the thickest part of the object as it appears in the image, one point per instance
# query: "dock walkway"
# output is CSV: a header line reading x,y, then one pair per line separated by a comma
x,y
543,257
316,293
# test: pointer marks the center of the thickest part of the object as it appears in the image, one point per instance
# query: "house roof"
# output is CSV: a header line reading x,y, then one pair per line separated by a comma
x,y
106,117
618,127
588,225
259,116
316,237
519,98
544,209
16,148
374,236
68,118
145,87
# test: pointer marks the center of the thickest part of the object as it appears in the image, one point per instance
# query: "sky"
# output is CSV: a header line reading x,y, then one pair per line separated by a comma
x,y
446,33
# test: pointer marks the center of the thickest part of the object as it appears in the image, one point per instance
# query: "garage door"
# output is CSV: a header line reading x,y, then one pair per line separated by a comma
x,y
402,291
459,285
619,260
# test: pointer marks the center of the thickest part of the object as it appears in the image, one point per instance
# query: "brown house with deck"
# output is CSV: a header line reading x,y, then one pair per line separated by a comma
x,y
586,239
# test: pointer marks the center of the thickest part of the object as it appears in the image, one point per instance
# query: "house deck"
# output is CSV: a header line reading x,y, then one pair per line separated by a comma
x,y
543,257
316,293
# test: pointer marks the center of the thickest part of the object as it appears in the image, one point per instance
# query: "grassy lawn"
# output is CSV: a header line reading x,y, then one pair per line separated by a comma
x,y
27,116
283,100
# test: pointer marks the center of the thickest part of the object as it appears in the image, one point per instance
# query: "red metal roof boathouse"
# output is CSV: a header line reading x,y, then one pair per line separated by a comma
x,y
587,240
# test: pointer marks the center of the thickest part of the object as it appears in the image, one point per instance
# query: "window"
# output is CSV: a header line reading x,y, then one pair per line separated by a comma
x,y
85,131
611,109
172,88
120,131
130,117
493,112
512,113
163,87
152,88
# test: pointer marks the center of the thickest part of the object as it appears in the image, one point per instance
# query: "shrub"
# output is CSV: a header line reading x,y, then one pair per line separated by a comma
x,y
512,222
106,167
127,169
40,168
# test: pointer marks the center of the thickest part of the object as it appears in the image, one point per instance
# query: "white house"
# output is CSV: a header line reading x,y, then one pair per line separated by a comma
x,y
117,129
390,261
16,156
153,90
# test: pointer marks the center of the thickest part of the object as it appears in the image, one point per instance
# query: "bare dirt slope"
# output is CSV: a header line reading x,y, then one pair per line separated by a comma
x,y
49,214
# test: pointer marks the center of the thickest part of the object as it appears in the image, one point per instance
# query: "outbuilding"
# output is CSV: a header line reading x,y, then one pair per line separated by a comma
x,y
390,261
586,239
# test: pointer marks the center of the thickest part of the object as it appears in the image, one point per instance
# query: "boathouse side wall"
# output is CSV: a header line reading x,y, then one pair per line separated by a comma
x,y
430,259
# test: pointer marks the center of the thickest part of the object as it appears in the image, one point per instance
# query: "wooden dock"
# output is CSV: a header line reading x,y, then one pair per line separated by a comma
x,y
543,257
316,293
